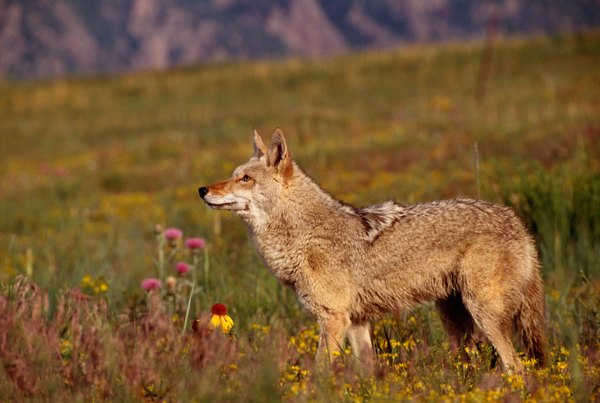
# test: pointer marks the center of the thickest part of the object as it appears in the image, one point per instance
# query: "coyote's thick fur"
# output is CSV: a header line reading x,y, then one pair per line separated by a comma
x,y
349,265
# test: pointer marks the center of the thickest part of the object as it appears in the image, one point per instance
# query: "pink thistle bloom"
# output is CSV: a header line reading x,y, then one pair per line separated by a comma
x,y
61,172
182,268
195,243
173,234
151,283
45,168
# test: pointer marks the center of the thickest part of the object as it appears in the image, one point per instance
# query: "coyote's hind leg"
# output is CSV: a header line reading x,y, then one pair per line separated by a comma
x,y
496,325
458,323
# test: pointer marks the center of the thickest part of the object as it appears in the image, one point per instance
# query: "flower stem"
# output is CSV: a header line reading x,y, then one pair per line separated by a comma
x,y
194,266
187,311
161,255
206,267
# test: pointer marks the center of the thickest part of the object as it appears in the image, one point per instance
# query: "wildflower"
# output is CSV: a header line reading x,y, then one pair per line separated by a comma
x,y
66,348
260,328
92,285
182,268
171,282
61,172
45,168
151,283
195,243
515,381
173,234
220,318
87,281
101,287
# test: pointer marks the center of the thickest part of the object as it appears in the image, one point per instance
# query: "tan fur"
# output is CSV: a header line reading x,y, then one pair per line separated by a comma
x,y
350,265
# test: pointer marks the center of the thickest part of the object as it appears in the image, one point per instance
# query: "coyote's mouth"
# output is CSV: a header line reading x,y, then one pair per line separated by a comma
x,y
226,203
225,206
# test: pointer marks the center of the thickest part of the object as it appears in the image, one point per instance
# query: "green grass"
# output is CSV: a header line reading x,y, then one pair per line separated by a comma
x,y
89,166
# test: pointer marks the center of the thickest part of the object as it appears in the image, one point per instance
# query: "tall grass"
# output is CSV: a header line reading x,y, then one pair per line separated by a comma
x,y
562,209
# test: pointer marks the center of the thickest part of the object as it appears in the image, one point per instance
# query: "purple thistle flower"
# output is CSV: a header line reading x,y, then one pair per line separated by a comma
x,y
173,234
195,243
151,283
182,268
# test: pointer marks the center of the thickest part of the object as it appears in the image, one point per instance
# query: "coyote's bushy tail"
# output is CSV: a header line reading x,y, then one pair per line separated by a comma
x,y
531,322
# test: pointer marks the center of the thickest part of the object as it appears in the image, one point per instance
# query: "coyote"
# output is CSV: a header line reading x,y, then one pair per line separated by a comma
x,y
350,265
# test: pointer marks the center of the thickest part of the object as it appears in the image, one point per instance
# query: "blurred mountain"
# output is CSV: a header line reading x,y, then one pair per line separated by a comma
x,y
44,38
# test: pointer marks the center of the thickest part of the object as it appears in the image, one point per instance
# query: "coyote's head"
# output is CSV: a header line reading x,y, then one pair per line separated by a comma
x,y
254,188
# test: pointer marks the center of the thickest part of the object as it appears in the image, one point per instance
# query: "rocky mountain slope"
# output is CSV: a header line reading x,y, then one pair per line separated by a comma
x,y
42,38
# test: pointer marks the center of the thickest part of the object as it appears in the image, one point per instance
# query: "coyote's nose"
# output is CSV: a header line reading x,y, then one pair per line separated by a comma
x,y
202,191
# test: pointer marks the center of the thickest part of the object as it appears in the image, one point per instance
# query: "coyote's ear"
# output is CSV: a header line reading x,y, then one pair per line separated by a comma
x,y
278,155
260,148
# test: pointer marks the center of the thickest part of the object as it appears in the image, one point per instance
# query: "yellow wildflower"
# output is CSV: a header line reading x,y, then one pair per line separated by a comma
x,y
220,319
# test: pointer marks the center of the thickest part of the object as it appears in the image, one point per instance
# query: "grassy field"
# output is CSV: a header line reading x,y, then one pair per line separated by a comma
x,y
90,166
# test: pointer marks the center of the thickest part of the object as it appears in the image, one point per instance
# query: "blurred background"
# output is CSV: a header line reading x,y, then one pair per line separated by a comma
x,y
54,38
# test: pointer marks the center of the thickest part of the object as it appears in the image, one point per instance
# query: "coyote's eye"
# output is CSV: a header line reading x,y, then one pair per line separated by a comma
x,y
246,178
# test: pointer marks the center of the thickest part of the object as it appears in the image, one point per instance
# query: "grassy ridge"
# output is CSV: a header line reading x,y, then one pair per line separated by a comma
x,y
89,166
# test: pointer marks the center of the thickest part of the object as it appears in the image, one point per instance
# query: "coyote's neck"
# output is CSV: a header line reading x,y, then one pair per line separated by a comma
x,y
305,205
283,236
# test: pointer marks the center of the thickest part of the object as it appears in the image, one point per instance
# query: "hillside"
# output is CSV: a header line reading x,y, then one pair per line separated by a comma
x,y
94,169
44,39
368,127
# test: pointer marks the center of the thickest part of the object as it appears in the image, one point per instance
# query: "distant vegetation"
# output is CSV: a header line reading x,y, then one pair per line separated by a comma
x,y
90,167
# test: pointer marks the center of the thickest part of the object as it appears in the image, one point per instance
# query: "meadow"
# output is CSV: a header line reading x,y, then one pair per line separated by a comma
x,y
94,170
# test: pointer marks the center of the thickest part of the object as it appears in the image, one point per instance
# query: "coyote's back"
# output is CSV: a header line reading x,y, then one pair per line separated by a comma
x,y
349,265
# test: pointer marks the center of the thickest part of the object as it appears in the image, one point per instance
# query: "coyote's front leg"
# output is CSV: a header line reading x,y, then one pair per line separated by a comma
x,y
331,337
360,341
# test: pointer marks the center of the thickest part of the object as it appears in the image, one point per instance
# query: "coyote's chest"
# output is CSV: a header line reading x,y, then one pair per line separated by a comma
x,y
283,255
